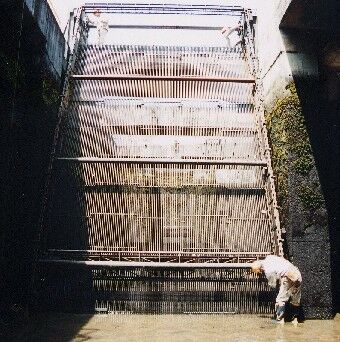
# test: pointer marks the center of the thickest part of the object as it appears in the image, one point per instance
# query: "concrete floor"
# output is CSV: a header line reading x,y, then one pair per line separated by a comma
x,y
64,327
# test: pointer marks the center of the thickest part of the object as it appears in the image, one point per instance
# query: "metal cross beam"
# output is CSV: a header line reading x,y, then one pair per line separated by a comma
x,y
165,161
141,264
162,27
121,8
113,77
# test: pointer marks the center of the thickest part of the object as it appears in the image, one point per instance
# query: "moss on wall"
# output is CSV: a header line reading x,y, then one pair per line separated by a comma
x,y
292,154
310,195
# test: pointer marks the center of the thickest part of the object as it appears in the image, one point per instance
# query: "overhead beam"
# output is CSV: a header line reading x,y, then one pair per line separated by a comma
x,y
162,27
162,8
143,264
170,130
236,162
120,77
200,254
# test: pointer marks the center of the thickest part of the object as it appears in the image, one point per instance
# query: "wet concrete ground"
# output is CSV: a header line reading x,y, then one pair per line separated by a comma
x,y
64,327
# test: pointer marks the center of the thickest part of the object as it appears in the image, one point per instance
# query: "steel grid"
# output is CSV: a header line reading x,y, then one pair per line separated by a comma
x,y
156,291
160,193
167,61
157,154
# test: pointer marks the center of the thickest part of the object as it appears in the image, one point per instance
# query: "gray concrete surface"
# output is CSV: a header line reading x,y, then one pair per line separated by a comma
x,y
54,38
64,327
290,58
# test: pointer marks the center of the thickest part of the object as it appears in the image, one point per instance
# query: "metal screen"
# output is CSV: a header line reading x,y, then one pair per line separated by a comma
x,y
161,155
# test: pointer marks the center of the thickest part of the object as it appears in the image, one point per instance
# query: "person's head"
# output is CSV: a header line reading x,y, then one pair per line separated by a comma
x,y
256,267
96,13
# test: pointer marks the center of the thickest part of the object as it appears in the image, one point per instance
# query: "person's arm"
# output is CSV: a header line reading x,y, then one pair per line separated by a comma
x,y
272,279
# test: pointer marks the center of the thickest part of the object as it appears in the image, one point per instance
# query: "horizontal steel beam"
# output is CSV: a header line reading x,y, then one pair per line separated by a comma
x,y
172,253
163,27
240,162
170,130
144,264
185,102
117,77
162,8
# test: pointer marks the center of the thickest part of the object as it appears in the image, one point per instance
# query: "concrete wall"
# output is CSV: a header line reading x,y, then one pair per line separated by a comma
x,y
291,77
274,65
31,66
54,39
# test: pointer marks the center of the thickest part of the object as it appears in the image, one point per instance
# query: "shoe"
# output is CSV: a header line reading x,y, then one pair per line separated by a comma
x,y
280,312
296,313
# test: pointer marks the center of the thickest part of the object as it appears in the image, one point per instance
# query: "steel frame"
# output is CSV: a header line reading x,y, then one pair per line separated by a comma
x,y
160,161
113,258
263,133
148,264
154,258
113,77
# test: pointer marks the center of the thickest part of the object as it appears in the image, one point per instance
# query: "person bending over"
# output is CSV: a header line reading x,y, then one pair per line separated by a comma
x,y
277,268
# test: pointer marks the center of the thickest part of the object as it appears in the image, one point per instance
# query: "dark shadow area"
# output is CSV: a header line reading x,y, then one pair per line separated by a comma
x,y
29,102
311,36
29,98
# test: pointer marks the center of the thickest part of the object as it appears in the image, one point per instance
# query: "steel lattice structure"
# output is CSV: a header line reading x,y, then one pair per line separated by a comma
x,y
160,160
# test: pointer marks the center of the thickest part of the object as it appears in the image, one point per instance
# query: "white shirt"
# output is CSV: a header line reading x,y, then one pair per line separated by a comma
x,y
277,267
101,22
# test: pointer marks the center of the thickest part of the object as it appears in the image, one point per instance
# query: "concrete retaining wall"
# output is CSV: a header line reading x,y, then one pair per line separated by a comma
x,y
289,69
31,66
54,39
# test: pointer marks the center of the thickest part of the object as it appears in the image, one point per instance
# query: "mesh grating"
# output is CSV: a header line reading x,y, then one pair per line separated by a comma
x,y
160,157
144,291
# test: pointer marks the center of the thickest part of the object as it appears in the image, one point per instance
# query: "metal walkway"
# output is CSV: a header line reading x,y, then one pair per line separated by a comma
x,y
160,190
